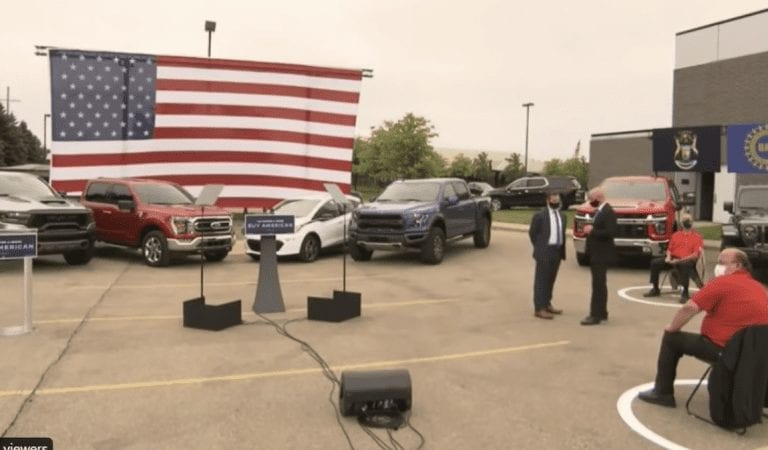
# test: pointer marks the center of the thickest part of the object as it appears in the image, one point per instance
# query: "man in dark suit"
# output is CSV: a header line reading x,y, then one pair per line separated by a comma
x,y
602,253
547,234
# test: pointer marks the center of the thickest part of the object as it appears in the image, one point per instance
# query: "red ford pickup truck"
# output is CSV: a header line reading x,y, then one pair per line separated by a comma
x,y
158,217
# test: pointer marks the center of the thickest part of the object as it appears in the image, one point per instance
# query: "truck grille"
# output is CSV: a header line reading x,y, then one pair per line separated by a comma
x,y
58,221
382,222
632,226
213,225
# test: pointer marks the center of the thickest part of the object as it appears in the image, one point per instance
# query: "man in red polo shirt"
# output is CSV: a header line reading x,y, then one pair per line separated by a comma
x,y
682,253
732,300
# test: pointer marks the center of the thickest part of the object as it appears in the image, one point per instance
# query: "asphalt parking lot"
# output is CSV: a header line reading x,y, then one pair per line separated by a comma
x,y
112,367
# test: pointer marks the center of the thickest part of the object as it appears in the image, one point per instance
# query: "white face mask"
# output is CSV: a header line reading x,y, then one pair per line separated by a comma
x,y
719,270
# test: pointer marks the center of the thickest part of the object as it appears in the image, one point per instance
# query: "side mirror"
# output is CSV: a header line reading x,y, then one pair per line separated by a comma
x,y
453,200
126,205
728,206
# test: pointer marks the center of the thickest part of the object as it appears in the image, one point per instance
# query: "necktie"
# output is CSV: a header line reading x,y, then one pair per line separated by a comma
x,y
557,228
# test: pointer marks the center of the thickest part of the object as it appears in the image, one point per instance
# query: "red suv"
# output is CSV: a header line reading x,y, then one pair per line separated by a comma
x,y
159,217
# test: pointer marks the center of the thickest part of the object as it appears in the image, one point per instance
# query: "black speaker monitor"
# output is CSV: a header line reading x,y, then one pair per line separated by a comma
x,y
364,392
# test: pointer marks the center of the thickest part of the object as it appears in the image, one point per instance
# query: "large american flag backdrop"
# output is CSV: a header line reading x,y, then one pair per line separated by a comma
x,y
266,131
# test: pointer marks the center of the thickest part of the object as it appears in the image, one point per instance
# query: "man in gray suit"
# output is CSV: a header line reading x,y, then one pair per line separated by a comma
x,y
547,234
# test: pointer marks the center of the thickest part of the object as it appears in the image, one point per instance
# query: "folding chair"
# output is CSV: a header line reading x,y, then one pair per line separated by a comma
x,y
697,275
710,366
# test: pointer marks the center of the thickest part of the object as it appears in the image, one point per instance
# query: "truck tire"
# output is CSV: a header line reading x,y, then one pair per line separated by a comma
x,y
495,204
359,253
154,249
482,235
80,257
582,259
310,248
216,256
433,249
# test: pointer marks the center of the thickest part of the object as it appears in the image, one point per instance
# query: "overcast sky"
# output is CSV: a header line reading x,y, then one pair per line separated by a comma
x,y
590,67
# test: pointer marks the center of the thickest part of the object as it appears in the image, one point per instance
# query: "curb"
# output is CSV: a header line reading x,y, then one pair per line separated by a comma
x,y
708,243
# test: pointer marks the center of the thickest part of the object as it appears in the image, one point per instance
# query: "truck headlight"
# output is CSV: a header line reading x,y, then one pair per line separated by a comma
x,y
181,225
418,220
749,234
17,217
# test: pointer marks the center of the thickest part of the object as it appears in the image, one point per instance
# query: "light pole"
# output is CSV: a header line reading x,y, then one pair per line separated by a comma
x,y
210,27
527,107
45,133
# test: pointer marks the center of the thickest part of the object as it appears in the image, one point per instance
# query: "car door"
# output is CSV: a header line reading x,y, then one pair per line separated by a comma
x,y
515,193
329,223
535,192
451,207
466,208
124,223
95,198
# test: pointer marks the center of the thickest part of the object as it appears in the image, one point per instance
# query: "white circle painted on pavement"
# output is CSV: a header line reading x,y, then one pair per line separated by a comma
x,y
624,293
624,406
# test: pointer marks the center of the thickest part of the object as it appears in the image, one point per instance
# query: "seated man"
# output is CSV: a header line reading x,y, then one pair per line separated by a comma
x,y
682,253
732,300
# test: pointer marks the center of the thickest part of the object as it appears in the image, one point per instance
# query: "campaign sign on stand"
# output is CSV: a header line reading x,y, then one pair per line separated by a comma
x,y
17,245
269,297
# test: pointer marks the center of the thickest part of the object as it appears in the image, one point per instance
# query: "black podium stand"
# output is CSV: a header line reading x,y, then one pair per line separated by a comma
x,y
344,304
195,312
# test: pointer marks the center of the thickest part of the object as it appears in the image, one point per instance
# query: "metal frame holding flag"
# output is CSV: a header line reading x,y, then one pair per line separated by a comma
x,y
266,131
747,148
689,149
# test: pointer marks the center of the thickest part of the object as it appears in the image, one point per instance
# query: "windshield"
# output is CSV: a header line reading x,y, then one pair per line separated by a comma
x,y
636,190
296,207
410,192
162,194
753,198
24,185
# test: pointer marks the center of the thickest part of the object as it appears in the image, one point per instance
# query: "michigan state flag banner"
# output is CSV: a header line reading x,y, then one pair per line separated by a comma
x,y
692,149
266,131
748,148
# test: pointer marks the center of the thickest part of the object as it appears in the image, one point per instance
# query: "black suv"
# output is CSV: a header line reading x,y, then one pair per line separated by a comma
x,y
748,227
533,191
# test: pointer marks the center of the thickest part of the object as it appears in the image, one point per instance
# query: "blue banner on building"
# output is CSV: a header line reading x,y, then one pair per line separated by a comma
x,y
268,224
18,245
748,148
692,149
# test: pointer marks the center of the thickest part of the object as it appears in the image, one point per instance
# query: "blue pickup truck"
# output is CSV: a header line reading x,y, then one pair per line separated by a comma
x,y
420,215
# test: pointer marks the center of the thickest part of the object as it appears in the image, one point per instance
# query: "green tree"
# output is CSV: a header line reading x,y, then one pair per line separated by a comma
x,y
18,145
482,170
399,149
575,167
514,169
461,167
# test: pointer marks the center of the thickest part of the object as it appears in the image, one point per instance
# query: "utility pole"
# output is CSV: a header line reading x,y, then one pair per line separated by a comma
x,y
527,107
8,100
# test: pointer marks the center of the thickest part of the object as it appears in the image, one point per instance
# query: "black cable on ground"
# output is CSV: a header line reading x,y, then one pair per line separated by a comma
x,y
85,318
391,420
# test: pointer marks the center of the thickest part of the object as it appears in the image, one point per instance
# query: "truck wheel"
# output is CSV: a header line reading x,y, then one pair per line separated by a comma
x,y
482,235
433,249
80,257
154,248
359,253
495,204
215,256
582,259
310,248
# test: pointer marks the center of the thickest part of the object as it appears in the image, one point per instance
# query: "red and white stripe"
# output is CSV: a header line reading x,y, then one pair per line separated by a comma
x,y
266,131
